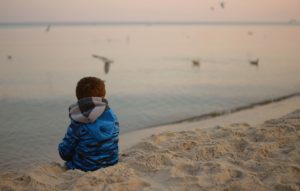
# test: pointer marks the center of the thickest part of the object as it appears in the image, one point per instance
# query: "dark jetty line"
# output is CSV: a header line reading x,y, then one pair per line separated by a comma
x,y
237,109
227,111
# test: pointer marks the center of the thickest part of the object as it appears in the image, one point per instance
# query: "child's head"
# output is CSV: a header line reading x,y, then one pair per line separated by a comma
x,y
90,87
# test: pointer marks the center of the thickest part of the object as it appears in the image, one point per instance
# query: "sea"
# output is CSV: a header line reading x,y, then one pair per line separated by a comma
x,y
152,80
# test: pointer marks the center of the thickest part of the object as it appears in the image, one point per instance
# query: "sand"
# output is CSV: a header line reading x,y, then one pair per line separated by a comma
x,y
253,117
234,156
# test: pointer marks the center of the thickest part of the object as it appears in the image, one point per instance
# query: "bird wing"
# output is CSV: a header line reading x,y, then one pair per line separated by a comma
x,y
96,56
104,59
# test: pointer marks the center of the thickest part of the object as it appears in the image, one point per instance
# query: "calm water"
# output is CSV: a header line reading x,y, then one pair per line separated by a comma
x,y
151,81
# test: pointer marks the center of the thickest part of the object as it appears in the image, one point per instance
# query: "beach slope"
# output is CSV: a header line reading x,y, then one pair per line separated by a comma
x,y
230,157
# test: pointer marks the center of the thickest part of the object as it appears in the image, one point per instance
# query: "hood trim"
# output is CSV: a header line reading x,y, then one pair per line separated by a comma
x,y
87,110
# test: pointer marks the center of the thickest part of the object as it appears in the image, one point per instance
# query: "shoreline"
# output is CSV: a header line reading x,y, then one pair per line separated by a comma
x,y
237,109
254,114
224,112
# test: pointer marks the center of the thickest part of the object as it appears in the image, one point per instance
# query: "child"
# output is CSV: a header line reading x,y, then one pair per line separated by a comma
x,y
91,141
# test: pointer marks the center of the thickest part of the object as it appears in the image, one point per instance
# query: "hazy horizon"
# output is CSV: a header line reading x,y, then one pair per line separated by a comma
x,y
148,11
292,23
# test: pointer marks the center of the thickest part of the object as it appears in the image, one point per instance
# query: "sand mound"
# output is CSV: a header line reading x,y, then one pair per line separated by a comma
x,y
235,157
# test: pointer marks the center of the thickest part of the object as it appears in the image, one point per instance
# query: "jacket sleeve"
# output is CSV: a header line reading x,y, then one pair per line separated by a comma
x,y
67,147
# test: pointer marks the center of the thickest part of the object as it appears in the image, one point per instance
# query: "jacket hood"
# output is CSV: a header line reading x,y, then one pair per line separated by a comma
x,y
87,110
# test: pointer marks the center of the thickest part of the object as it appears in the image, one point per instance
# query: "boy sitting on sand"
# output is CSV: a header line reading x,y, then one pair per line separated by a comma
x,y
91,141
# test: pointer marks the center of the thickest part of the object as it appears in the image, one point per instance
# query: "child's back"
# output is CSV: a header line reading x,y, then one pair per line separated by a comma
x,y
91,141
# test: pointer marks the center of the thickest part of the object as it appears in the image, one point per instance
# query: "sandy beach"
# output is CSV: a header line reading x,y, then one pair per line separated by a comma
x,y
255,149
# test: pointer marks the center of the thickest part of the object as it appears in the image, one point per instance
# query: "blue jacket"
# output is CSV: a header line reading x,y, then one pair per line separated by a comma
x,y
91,141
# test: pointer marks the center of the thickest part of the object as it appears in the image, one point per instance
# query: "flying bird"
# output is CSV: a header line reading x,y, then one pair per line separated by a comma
x,y
254,62
222,3
127,39
196,63
250,33
106,61
48,28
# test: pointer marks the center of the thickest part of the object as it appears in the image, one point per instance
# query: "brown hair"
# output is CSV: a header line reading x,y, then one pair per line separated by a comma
x,y
90,87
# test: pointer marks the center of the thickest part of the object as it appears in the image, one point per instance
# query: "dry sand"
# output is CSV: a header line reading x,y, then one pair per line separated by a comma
x,y
238,156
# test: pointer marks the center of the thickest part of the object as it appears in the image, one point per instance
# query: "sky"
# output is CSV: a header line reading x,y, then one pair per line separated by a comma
x,y
147,10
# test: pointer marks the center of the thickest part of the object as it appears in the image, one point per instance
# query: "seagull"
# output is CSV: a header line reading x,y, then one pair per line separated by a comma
x,y
106,61
196,63
254,62
127,39
250,33
222,4
48,28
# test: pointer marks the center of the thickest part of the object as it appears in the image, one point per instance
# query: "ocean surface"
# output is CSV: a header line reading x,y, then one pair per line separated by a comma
x,y
151,82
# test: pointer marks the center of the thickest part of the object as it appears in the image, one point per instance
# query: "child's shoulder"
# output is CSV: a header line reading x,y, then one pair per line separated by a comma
x,y
108,114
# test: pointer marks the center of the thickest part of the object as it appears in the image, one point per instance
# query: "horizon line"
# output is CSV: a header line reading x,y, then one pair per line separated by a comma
x,y
74,23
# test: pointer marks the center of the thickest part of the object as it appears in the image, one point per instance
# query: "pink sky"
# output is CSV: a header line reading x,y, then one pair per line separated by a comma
x,y
148,10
